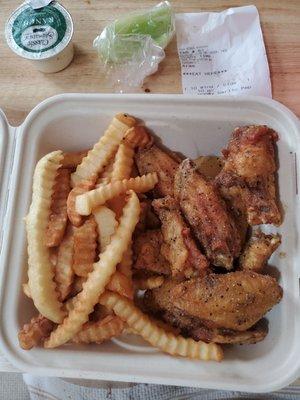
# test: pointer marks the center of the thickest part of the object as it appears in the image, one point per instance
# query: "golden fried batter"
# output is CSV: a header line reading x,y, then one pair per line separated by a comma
x,y
236,300
156,160
147,253
207,214
179,247
227,336
258,250
250,169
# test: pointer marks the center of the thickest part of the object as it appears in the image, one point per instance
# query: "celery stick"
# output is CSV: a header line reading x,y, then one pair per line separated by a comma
x,y
126,36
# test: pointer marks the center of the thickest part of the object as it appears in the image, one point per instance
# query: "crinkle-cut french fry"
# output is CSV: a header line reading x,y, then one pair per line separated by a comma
x,y
128,331
58,211
98,332
137,136
64,273
86,202
148,283
85,245
26,290
122,166
40,270
121,170
102,181
156,336
105,176
158,322
123,163
69,305
106,223
75,218
98,157
125,269
97,279
35,332
121,284
72,159
125,266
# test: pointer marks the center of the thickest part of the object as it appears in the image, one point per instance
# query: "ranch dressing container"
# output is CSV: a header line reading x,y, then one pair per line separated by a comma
x,y
41,31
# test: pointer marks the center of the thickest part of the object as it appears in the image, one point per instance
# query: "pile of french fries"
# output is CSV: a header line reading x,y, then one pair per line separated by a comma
x,y
85,208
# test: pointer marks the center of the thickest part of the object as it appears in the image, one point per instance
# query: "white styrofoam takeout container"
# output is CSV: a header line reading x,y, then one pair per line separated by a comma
x,y
193,126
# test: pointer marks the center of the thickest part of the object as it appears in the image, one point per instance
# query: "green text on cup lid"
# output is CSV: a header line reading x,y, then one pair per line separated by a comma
x,y
39,33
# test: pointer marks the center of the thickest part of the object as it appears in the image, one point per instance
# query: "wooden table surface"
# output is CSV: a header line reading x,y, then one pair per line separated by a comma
x,y
21,87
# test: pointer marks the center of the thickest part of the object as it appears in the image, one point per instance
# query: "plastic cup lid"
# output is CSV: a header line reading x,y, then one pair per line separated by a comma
x,y
39,33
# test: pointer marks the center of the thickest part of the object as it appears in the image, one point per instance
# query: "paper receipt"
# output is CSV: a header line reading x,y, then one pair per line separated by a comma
x,y
223,53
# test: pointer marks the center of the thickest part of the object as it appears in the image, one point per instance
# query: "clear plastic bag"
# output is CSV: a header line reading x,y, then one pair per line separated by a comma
x,y
132,47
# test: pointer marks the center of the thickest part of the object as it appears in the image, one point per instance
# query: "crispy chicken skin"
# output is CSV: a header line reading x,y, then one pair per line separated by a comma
x,y
236,300
227,336
248,175
207,215
193,327
147,253
258,250
156,160
179,247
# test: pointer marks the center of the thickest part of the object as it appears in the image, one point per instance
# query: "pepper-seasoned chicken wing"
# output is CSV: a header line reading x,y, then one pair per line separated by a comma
x,y
258,250
248,175
236,300
193,327
179,247
154,159
207,214
147,253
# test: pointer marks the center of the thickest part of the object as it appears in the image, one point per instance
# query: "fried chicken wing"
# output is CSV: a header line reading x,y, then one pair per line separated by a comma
x,y
147,253
207,215
154,159
258,250
148,219
248,175
194,328
236,300
255,334
179,248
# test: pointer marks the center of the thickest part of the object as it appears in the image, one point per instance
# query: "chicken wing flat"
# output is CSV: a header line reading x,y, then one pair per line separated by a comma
x,y
236,300
194,328
248,175
207,215
147,253
179,248
156,160
258,250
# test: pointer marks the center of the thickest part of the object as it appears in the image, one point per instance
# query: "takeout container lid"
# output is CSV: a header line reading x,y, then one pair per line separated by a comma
x,y
42,35
194,126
